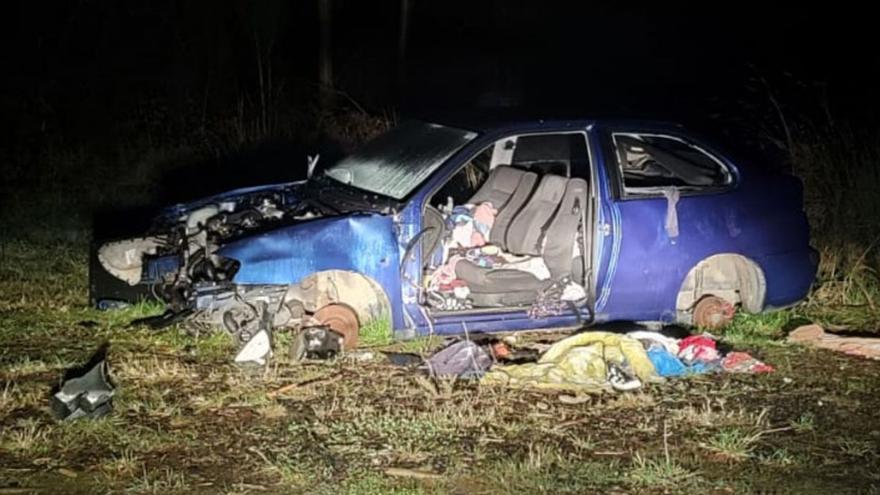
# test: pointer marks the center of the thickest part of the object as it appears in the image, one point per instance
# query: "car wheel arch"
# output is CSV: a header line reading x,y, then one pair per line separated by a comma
x,y
733,277
354,290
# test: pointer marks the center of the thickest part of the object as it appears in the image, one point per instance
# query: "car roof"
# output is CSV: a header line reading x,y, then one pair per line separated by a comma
x,y
483,122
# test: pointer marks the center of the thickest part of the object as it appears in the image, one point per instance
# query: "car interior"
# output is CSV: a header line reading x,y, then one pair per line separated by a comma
x,y
508,231
660,161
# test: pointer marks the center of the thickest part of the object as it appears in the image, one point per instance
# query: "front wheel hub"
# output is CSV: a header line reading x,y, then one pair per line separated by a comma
x,y
342,320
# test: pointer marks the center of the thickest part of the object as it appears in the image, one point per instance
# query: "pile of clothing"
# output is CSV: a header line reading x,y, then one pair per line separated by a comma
x,y
694,354
467,238
605,361
469,225
589,361
467,228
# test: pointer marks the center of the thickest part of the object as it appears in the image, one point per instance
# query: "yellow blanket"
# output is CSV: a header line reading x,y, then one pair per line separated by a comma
x,y
578,363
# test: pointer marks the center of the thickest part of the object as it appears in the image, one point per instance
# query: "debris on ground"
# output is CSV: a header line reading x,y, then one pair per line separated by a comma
x,y
741,362
412,473
698,349
463,359
816,336
361,356
324,381
257,350
667,364
88,394
602,361
318,342
403,359
589,361
656,340
668,355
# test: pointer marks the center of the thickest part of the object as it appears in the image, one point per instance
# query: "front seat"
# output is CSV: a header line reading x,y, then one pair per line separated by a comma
x,y
528,231
499,186
508,212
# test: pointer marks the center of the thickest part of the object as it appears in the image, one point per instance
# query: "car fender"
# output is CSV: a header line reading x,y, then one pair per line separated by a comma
x,y
362,243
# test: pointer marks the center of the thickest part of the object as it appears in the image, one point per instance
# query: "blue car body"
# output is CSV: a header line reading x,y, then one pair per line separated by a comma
x,y
638,268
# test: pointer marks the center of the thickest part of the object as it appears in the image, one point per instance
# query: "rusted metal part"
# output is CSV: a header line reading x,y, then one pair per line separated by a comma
x,y
732,277
353,290
713,312
342,319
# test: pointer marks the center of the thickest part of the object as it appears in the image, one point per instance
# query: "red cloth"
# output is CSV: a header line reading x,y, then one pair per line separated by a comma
x,y
451,285
741,362
698,348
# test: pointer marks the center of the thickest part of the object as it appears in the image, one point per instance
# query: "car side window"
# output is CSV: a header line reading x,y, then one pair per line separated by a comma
x,y
649,162
557,154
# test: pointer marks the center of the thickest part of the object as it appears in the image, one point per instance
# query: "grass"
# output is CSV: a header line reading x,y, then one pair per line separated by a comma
x,y
159,482
376,332
733,444
856,447
804,423
838,165
664,474
777,457
758,329
549,474
186,420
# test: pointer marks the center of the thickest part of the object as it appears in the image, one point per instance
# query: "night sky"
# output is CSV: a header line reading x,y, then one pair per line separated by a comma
x,y
93,70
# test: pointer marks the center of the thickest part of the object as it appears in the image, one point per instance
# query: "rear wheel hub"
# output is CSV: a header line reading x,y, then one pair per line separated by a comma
x,y
713,312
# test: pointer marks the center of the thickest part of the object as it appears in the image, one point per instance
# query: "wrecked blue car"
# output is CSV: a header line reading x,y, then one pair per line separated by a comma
x,y
451,229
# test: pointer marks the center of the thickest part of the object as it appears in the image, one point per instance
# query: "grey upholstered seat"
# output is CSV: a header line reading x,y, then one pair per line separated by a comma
x,y
499,186
546,226
509,211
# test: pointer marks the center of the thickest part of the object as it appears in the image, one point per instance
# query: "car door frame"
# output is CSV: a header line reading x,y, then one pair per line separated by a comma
x,y
419,318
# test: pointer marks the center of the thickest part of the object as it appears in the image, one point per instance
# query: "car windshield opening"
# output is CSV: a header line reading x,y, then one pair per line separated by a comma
x,y
397,162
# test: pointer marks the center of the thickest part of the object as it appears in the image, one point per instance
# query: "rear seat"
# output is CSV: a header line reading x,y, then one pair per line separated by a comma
x,y
499,186
545,226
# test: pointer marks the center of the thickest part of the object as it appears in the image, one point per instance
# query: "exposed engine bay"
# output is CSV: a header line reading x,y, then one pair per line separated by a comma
x,y
178,258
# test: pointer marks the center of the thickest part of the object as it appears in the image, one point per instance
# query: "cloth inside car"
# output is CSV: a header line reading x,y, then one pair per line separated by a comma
x,y
547,228
530,244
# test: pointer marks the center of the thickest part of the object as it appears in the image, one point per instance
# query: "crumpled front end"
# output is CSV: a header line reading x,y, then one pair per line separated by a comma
x,y
270,256
179,251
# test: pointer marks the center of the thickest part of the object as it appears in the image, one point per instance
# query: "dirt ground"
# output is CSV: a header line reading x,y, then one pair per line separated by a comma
x,y
186,420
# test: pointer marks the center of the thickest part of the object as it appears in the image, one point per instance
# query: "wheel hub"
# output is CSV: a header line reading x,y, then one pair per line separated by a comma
x,y
713,312
343,320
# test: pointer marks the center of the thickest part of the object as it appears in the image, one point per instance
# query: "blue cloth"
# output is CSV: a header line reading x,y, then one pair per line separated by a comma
x,y
459,215
667,364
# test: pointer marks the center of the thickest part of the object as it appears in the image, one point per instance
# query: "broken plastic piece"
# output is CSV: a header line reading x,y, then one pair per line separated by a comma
x,y
741,362
86,396
257,350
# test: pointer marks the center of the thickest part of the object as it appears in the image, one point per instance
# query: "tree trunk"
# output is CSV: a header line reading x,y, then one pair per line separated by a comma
x,y
325,57
402,43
